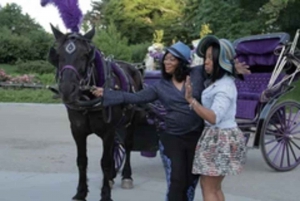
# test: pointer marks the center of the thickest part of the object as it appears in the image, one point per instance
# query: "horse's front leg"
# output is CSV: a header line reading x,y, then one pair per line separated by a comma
x,y
82,162
107,164
127,181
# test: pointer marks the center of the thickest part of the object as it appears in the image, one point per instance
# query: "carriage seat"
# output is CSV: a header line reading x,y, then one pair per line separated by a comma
x,y
249,92
252,86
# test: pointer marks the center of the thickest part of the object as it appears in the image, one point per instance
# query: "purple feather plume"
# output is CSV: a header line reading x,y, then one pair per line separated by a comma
x,y
69,11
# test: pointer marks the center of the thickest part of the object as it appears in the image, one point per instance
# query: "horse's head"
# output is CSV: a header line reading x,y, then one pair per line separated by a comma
x,y
72,56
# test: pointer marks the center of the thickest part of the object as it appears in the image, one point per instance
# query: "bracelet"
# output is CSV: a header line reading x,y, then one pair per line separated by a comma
x,y
191,106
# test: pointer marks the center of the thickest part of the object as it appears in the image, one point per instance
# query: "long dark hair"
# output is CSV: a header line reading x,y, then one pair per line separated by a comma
x,y
218,71
181,71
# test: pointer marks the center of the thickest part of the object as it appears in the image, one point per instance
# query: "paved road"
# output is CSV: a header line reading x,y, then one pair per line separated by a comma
x,y
37,163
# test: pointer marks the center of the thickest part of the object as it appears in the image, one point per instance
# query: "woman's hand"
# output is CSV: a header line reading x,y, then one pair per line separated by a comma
x,y
241,68
188,90
97,91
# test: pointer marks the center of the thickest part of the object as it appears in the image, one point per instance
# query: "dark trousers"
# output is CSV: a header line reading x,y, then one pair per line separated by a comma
x,y
177,154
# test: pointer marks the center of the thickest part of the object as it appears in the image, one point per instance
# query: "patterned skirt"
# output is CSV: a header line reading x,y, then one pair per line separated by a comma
x,y
220,152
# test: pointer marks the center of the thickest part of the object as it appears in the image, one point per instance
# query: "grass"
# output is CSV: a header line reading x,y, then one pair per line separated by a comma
x,y
27,96
45,96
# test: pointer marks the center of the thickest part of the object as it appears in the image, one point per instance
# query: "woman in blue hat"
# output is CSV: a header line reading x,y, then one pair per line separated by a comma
x,y
221,149
183,126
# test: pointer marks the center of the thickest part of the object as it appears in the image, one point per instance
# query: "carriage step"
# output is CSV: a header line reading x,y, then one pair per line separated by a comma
x,y
249,139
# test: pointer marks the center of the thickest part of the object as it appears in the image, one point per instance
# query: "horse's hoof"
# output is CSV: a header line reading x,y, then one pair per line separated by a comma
x,y
77,200
111,183
127,184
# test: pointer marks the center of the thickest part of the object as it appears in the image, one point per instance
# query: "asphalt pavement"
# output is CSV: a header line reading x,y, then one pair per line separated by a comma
x,y
38,163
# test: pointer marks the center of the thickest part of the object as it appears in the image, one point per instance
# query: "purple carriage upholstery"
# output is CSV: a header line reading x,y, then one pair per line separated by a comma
x,y
258,52
249,92
150,77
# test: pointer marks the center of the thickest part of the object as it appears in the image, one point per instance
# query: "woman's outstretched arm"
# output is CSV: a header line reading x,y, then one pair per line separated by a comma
x,y
112,97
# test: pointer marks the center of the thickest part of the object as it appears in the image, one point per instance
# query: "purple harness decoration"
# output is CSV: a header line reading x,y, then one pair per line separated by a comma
x,y
101,63
69,11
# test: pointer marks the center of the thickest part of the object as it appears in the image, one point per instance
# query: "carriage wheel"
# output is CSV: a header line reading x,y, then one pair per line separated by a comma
x,y
280,136
119,155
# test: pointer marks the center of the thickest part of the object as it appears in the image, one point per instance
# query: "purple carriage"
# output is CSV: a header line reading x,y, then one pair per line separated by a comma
x,y
267,122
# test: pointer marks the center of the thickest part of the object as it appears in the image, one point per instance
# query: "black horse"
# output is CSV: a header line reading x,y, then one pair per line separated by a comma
x,y
80,66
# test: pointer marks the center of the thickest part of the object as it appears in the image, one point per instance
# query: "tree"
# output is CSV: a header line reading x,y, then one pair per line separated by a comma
x,y
11,16
138,19
282,15
21,37
111,42
227,19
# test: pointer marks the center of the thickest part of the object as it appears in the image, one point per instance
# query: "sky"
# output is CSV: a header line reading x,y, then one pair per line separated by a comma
x,y
45,15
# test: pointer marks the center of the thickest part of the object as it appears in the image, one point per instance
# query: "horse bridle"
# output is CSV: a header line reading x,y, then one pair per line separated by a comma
x,y
87,82
84,82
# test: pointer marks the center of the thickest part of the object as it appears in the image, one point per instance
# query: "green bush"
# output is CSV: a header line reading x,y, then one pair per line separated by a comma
x,y
38,67
111,42
15,47
139,51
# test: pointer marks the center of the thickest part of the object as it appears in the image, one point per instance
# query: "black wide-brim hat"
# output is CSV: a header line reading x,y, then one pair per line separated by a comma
x,y
227,52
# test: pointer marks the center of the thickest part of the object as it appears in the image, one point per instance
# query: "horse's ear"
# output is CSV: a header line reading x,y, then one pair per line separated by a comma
x,y
53,57
57,34
89,35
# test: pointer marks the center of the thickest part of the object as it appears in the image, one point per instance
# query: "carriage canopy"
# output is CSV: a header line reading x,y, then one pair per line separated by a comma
x,y
258,50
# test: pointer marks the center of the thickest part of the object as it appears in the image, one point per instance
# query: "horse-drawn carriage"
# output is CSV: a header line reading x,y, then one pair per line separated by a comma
x,y
267,121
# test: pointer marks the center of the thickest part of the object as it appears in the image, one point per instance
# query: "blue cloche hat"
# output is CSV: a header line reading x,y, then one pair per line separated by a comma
x,y
180,50
227,52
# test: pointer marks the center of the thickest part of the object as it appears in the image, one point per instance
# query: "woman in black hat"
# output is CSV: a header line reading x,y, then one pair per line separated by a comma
x,y
221,149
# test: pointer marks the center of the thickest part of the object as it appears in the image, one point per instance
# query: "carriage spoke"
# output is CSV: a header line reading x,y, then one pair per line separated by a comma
x,y
294,127
273,147
271,130
295,132
288,123
273,140
283,152
276,134
292,150
296,138
277,153
288,154
294,120
276,126
295,144
281,119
